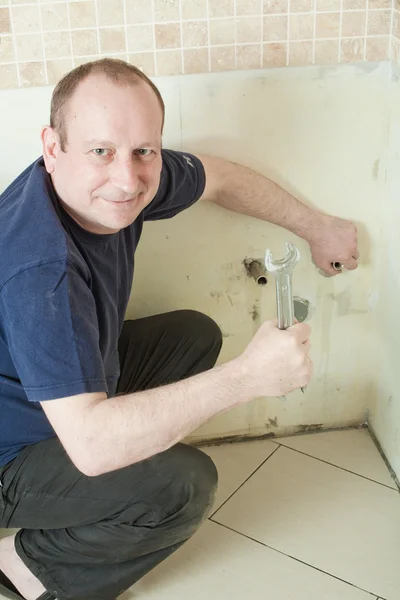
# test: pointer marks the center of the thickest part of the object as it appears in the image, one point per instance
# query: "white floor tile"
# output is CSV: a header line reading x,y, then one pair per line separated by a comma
x,y
338,522
220,564
235,463
353,450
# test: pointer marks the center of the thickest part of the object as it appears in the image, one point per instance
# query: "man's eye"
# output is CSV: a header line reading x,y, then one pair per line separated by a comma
x,y
101,151
144,151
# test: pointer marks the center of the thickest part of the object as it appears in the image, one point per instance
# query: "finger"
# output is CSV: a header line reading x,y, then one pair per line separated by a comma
x,y
351,264
302,331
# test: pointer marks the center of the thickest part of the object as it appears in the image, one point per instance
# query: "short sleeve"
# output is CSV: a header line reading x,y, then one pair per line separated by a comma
x,y
48,319
181,185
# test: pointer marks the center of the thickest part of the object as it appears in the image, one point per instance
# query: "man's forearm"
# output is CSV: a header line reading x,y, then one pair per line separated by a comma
x,y
126,429
242,190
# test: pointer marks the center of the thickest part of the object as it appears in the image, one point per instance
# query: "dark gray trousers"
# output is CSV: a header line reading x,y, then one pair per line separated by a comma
x,y
91,538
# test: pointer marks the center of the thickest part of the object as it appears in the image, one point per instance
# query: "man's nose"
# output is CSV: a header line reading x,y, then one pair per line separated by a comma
x,y
125,176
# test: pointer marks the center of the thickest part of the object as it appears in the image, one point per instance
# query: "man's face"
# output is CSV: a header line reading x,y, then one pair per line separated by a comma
x,y
111,166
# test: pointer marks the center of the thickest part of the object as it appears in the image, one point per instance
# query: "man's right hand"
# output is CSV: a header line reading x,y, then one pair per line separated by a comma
x,y
277,362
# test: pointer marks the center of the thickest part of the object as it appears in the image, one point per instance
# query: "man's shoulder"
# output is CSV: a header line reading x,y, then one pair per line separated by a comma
x,y
31,231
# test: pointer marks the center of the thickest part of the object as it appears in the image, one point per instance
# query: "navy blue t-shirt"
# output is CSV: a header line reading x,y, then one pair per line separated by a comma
x,y
63,295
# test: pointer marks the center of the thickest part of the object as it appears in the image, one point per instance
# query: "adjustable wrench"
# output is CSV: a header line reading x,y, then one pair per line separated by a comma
x,y
282,270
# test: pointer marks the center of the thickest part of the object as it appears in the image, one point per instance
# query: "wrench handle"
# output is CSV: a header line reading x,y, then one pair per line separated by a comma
x,y
284,300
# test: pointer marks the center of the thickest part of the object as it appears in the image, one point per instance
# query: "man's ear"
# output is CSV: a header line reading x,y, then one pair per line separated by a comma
x,y
51,147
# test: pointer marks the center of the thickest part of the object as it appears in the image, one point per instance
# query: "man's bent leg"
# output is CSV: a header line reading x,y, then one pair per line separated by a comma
x,y
123,523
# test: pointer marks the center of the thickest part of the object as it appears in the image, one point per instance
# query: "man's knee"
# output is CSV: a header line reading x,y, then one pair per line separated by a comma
x,y
205,331
195,480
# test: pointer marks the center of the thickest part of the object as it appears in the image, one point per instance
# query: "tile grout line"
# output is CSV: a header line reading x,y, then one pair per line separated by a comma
x,y
235,24
262,34
208,35
314,32
70,34
287,32
391,36
181,38
245,481
292,557
340,32
14,39
125,29
339,467
366,31
96,11
46,77
153,10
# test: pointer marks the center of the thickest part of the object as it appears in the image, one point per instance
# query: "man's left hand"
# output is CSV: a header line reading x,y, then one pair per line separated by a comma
x,y
334,240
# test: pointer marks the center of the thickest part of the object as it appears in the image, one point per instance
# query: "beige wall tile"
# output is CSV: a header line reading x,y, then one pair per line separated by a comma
x,y
32,74
301,5
222,59
326,52
112,40
196,60
300,53
166,10
396,24
248,29
354,4
169,62
248,56
8,77
377,48
56,69
330,5
396,4
352,50
275,28
25,19
301,27
139,11
84,42
6,49
380,3
248,7
194,9
274,55
144,61
82,14
275,7
327,25
222,31
57,44
220,8
111,12
168,35
29,47
54,16
5,21
195,33
379,22
353,24
82,60
395,50
140,38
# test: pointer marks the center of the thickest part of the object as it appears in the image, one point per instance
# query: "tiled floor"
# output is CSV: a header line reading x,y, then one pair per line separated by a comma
x,y
314,517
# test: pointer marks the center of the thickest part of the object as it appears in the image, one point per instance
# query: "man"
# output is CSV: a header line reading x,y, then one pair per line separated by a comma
x,y
93,409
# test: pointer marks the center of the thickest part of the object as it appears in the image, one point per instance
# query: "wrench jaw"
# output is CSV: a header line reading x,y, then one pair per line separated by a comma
x,y
285,264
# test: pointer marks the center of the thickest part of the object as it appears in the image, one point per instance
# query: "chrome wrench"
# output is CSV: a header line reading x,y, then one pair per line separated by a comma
x,y
282,270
